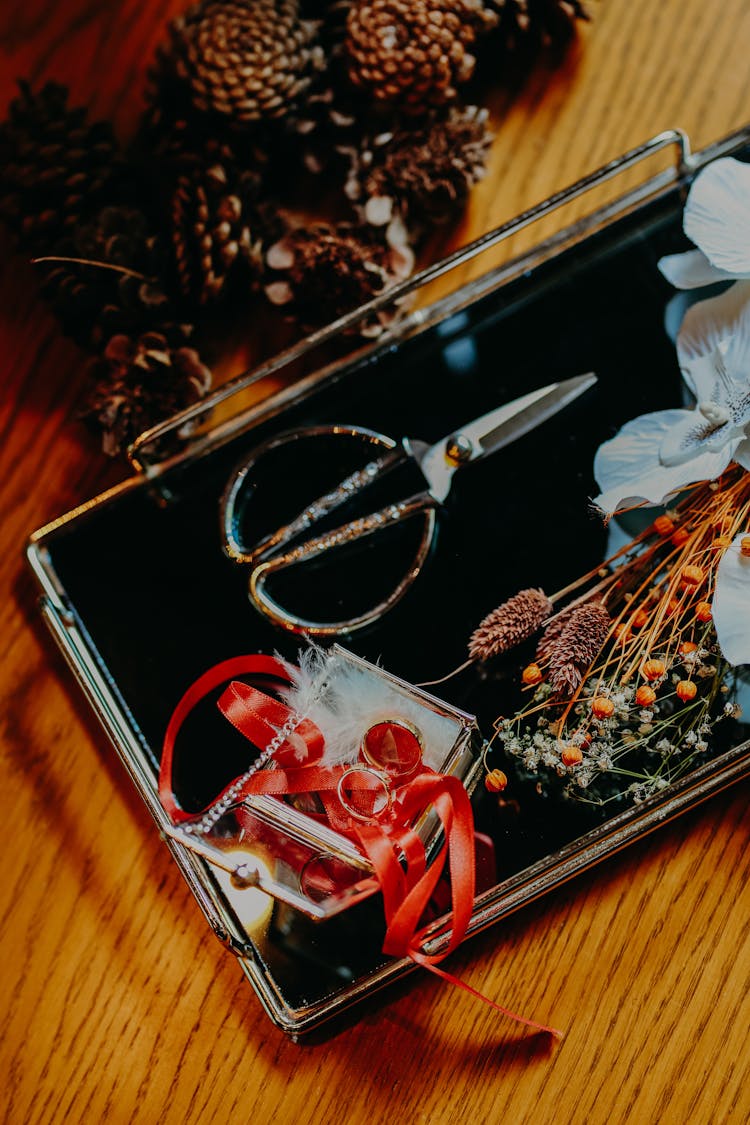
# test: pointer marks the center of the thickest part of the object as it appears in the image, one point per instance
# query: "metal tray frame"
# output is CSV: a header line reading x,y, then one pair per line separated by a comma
x,y
102,694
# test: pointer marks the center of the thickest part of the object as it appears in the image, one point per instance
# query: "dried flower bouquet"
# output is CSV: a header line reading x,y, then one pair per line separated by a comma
x,y
631,676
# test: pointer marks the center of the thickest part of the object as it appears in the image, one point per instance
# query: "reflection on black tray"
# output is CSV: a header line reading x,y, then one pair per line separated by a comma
x,y
161,602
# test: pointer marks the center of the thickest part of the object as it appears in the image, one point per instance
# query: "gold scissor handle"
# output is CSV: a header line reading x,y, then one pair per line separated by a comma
x,y
422,504
264,559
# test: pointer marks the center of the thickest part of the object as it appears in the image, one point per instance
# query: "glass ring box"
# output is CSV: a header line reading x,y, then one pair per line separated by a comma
x,y
143,597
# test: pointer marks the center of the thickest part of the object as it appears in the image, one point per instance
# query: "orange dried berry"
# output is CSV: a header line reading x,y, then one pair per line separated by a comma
x,y
571,755
495,781
645,696
601,707
639,619
692,575
532,674
686,690
664,525
673,607
621,633
723,541
653,669
745,546
703,611
688,646
680,537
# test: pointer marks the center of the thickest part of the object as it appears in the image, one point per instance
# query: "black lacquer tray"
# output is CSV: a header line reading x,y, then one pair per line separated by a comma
x,y
142,599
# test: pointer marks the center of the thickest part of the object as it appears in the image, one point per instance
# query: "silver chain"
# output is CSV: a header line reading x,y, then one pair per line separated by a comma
x,y
219,808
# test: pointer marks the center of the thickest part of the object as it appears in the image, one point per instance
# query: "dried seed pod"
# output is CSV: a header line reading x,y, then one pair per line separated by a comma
x,y
495,781
703,612
653,669
602,707
686,690
579,642
571,755
512,622
531,675
692,575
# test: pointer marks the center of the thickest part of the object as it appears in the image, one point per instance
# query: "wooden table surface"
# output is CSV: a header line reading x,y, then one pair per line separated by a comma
x,y
118,1003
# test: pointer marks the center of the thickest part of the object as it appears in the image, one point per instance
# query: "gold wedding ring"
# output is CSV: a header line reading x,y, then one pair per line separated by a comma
x,y
394,746
380,805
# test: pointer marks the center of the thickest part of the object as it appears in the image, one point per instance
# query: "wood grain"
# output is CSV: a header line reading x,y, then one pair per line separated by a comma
x,y
118,1004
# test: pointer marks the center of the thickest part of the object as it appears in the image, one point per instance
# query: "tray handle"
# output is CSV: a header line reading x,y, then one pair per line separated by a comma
x,y
670,138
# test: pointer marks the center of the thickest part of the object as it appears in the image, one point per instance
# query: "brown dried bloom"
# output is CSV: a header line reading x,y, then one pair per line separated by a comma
x,y
512,622
424,173
552,632
322,272
584,632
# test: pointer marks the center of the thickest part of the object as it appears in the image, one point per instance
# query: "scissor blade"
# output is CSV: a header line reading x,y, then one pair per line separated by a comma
x,y
529,412
496,429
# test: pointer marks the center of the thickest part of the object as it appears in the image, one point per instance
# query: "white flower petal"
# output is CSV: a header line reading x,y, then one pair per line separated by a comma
x,y
628,469
737,357
675,311
742,454
717,215
707,323
691,270
731,604
700,375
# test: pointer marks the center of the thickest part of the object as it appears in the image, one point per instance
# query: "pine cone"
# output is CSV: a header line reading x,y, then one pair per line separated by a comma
x,y
246,60
55,168
414,53
93,302
141,380
512,622
584,632
179,138
424,174
538,22
323,272
333,16
212,229
331,112
328,127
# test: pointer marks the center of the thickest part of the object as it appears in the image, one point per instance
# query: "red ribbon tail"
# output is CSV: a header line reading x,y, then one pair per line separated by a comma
x,y
449,977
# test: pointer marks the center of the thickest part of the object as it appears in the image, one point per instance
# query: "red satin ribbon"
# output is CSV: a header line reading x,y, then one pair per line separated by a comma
x,y
395,851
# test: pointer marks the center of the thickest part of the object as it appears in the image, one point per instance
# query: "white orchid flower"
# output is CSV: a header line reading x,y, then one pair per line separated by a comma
x,y
657,455
717,220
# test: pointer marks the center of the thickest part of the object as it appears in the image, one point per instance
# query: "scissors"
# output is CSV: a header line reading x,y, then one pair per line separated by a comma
x,y
438,464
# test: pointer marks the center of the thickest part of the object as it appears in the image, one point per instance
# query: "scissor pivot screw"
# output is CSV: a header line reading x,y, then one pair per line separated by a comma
x,y
244,876
458,448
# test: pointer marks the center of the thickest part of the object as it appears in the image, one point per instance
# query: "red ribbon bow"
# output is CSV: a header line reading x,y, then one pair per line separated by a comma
x,y
406,887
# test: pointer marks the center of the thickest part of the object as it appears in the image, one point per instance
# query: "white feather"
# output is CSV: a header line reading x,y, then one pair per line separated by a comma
x,y
343,698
